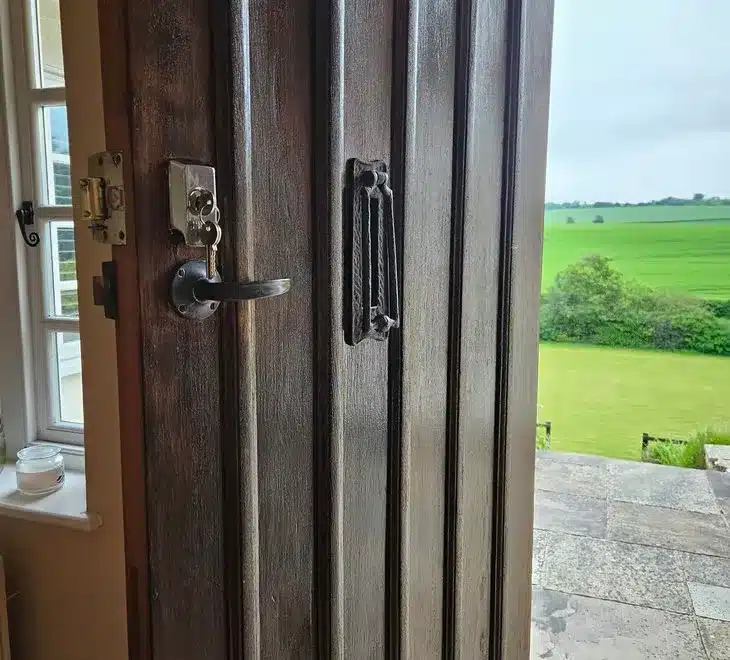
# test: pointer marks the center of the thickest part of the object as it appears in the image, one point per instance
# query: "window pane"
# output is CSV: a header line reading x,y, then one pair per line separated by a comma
x,y
63,269
50,51
57,163
68,364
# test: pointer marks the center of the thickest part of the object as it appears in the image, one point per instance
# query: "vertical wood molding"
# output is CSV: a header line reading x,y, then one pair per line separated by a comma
x,y
238,394
423,120
476,224
504,328
533,92
397,563
329,167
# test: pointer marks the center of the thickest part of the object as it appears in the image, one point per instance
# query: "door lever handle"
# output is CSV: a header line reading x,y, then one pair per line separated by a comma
x,y
233,291
196,296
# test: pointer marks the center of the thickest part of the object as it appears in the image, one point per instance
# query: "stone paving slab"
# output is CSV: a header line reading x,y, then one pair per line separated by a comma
x,y
624,572
662,486
539,543
566,512
579,459
719,482
584,480
668,528
570,627
706,569
709,601
715,638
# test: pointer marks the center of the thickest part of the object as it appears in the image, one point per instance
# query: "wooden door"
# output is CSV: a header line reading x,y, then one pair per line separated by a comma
x,y
288,495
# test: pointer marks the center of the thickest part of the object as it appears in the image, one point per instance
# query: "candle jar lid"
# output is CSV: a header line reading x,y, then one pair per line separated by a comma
x,y
38,453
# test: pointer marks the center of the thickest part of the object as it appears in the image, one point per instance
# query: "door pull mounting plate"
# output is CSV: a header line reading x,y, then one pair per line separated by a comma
x,y
102,198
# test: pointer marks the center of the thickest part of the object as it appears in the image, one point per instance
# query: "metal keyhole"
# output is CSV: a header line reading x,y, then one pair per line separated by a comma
x,y
200,201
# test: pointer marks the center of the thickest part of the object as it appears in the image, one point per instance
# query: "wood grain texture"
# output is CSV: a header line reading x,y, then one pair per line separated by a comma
x,y
239,438
478,138
281,120
368,33
329,348
428,97
526,249
171,116
113,46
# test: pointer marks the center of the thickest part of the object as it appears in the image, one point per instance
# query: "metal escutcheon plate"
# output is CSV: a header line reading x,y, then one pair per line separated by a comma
x,y
181,291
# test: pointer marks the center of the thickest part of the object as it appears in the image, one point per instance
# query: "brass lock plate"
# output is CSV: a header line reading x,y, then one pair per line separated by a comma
x,y
103,204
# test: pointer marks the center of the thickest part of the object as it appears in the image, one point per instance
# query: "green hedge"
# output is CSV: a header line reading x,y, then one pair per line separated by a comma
x,y
593,303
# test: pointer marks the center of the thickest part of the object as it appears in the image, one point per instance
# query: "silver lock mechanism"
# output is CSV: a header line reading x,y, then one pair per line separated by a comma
x,y
197,290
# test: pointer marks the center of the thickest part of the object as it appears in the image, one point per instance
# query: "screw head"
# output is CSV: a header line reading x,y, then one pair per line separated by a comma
x,y
181,272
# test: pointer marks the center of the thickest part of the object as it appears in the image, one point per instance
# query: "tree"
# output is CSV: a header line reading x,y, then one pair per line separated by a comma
x,y
598,220
698,197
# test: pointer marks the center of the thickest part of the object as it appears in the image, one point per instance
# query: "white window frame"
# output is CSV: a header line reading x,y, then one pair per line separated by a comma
x,y
36,294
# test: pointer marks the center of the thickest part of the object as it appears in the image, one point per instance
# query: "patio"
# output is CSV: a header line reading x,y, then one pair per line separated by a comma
x,y
631,561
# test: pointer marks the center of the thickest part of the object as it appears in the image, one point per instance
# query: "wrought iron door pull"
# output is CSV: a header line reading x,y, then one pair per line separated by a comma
x,y
371,288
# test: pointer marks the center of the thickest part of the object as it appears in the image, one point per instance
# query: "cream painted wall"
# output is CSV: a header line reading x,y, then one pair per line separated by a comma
x,y
71,594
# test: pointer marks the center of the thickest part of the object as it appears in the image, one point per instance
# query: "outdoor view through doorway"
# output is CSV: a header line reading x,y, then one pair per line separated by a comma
x,y
632,543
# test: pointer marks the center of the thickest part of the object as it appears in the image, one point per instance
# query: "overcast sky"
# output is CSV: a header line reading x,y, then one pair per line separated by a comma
x,y
640,100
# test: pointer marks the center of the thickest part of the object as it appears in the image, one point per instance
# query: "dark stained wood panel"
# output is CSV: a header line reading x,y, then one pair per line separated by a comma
x,y
281,102
533,96
329,349
171,116
478,140
239,438
368,32
428,96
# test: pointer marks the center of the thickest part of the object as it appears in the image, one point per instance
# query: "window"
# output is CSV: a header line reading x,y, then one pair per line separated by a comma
x,y
46,180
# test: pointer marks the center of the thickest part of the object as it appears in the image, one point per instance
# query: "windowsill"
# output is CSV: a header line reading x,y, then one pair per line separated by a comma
x,y
65,508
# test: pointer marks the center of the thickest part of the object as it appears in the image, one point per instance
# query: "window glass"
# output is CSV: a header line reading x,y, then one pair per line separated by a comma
x,y
57,163
63,268
68,367
49,51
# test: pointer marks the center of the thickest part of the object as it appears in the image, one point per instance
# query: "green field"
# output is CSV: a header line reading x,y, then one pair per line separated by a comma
x,y
639,214
679,257
600,400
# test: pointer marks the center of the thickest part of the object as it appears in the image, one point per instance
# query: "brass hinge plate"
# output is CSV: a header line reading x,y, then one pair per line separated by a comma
x,y
103,204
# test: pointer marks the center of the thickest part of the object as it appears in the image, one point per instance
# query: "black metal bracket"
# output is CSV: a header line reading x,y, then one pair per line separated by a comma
x,y
371,273
26,216
105,289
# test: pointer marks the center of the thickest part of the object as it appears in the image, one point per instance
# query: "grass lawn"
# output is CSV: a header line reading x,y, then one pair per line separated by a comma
x,y
600,400
678,257
639,213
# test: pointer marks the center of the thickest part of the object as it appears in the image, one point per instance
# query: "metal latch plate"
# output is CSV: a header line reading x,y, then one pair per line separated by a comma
x,y
102,198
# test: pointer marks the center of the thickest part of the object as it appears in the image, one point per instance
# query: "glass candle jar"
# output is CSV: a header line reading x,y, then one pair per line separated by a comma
x,y
39,470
